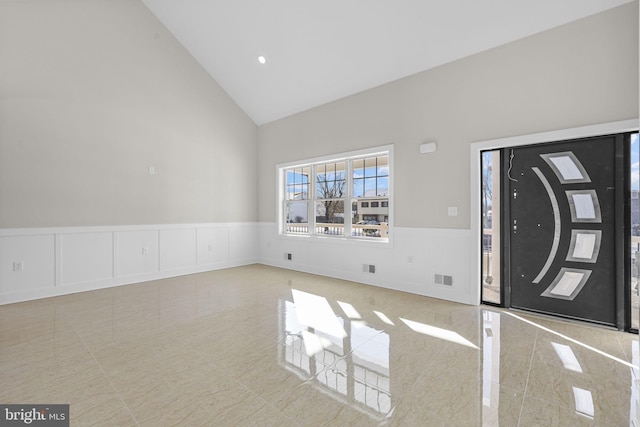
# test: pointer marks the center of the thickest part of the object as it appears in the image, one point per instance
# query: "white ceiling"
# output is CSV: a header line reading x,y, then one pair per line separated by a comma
x,y
320,51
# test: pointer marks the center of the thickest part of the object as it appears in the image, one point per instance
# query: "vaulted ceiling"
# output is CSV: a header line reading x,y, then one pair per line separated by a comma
x,y
320,51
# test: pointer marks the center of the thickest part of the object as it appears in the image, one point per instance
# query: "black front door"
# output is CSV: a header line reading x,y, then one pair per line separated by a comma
x,y
562,229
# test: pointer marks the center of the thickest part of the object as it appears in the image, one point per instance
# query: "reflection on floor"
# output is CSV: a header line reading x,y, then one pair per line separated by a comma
x,y
256,346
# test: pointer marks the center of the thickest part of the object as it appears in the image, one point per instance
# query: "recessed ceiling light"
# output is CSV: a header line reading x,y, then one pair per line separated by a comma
x,y
262,59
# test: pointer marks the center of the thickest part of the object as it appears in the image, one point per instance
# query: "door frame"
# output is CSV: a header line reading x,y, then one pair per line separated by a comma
x,y
475,205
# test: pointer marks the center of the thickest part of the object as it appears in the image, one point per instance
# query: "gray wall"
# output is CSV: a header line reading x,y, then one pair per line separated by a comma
x,y
93,93
578,74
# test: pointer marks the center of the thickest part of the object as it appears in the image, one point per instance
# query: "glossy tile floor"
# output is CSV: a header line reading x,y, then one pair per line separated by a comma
x,y
260,346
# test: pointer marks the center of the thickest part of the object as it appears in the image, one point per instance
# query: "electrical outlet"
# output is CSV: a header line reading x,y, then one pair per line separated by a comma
x,y
145,251
18,266
288,257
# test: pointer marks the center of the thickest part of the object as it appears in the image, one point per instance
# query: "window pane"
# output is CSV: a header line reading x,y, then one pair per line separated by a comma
x,y
296,217
369,187
375,171
331,170
635,229
330,217
370,167
354,211
370,227
297,183
490,194
294,192
358,188
383,166
372,219
330,182
358,168
383,186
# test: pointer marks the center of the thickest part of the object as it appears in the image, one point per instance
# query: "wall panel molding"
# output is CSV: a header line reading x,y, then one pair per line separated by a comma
x,y
409,263
75,259
44,262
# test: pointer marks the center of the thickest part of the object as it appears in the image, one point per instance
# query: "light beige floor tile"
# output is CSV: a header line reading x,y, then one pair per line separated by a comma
x,y
268,374
603,339
607,391
226,348
629,343
456,402
507,350
315,404
199,397
501,406
566,357
112,412
145,362
79,383
546,413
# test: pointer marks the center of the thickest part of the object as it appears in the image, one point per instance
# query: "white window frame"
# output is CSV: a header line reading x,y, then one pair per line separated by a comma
x,y
347,157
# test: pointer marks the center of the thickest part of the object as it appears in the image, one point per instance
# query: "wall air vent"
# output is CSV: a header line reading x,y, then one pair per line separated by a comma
x,y
442,279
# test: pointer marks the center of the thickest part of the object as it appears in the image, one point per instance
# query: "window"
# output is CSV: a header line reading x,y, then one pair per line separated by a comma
x,y
296,198
331,180
329,197
490,195
634,165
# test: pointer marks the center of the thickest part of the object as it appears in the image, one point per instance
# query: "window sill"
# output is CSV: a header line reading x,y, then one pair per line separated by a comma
x,y
336,239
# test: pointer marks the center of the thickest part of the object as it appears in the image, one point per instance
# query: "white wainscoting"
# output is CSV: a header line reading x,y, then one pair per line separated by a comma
x,y
84,257
409,262
44,262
